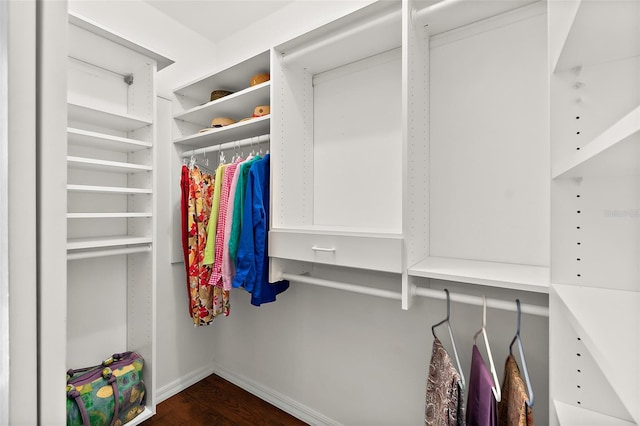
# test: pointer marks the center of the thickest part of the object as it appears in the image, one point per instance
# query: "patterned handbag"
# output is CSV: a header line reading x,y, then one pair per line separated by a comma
x,y
111,393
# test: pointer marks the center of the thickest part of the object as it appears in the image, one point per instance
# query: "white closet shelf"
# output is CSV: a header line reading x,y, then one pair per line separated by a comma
x,y
494,274
613,152
107,215
226,79
590,39
215,136
98,242
107,189
357,36
236,106
106,119
104,165
98,29
452,14
611,339
572,415
104,141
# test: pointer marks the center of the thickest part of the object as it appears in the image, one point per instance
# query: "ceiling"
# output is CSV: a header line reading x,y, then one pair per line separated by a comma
x,y
218,19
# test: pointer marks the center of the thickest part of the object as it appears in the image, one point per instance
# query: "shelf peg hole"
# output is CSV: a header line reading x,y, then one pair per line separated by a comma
x,y
579,354
579,371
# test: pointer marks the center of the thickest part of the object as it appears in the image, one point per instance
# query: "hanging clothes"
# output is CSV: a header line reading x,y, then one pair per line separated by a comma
x,y
481,403
205,301
228,174
184,208
209,251
252,267
444,404
228,265
238,209
512,408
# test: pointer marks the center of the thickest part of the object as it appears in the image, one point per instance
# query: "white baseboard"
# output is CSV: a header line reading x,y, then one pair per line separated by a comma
x,y
168,390
283,402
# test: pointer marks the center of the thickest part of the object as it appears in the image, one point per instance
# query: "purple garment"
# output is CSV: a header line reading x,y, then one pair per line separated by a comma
x,y
481,404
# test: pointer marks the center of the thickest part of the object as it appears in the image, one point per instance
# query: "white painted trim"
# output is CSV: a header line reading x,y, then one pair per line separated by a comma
x,y
284,402
4,216
180,384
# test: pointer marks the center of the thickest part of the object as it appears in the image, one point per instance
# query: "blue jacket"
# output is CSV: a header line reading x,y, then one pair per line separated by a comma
x,y
252,267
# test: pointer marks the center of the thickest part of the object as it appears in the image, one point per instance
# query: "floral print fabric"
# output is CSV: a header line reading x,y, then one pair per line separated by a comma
x,y
206,301
444,401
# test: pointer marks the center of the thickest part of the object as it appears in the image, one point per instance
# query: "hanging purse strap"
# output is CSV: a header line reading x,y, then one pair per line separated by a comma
x,y
111,379
72,393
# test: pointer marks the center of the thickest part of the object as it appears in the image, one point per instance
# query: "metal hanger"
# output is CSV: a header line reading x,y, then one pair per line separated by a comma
x,y
453,343
496,384
523,361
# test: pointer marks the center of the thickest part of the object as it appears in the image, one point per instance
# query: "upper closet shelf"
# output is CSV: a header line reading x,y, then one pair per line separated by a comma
x,y
362,34
593,32
237,106
106,166
104,141
106,119
233,79
448,15
493,274
91,26
233,132
613,152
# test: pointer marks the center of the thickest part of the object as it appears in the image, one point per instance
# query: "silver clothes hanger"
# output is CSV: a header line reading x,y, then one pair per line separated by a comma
x,y
496,384
523,361
453,342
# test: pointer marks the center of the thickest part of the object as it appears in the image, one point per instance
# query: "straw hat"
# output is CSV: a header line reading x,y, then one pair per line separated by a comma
x,y
259,78
221,122
261,110
217,94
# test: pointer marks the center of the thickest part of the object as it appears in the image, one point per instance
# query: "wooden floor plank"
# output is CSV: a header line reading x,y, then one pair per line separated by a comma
x,y
215,401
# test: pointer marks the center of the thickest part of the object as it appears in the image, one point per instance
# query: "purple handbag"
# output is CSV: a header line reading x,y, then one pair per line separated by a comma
x,y
110,393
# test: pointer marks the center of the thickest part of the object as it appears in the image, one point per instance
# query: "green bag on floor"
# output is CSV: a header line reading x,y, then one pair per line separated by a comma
x,y
111,393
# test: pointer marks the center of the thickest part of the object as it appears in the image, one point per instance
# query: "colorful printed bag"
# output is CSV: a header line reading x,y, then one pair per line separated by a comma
x,y
111,393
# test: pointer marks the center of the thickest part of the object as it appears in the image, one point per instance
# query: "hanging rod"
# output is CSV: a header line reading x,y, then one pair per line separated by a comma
x,y
107,252
336,37
504,305
305,279
227,145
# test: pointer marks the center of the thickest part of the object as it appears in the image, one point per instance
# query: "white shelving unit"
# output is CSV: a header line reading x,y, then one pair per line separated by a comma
x,y
194,111
481,213
595,113
330,204
492,274
102,141
111,105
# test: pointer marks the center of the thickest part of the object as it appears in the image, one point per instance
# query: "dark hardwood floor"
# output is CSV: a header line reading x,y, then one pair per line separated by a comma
x,y
215,401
